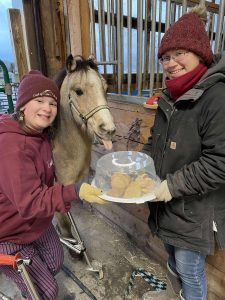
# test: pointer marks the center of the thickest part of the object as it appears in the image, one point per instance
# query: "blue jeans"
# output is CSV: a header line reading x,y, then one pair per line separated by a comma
x,y
190,267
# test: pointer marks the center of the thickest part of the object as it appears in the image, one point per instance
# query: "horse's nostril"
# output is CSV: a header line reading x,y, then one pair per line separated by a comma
x,y
112,132
103,128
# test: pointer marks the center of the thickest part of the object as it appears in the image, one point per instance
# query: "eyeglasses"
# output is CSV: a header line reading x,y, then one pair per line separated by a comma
x,y
178,56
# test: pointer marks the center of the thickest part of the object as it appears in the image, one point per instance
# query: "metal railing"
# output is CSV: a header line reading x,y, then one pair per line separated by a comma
x,y
125,36
4,103
6,89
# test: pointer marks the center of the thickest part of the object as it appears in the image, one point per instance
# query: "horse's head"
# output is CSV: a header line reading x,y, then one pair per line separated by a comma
x,y
84,90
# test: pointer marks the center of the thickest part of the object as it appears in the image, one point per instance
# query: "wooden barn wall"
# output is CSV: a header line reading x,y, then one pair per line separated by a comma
x,y
132,218
52,26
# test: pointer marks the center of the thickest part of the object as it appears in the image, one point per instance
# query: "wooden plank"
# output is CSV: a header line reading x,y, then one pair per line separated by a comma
x,y
30,35
140,211
85,28
74,26
18,41
53,35
124,115
216,283
217,260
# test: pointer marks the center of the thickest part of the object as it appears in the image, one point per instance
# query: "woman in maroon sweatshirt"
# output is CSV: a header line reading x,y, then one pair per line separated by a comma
x,y
28,196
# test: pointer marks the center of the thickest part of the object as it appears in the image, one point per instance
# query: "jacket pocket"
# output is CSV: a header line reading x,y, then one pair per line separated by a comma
x,y
177,220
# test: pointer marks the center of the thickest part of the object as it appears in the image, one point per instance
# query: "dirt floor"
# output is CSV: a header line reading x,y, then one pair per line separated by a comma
x,y
107,245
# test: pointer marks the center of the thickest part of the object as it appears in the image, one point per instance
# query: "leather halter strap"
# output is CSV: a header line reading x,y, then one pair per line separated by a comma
x,y
90,114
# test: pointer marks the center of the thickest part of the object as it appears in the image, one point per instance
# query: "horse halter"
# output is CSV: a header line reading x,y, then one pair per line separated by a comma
x,y
90,114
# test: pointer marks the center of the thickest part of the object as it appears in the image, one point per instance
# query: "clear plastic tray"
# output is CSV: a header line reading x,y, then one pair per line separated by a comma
x,y
139,200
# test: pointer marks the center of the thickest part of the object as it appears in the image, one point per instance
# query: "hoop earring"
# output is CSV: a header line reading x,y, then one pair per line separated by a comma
x,y
21,115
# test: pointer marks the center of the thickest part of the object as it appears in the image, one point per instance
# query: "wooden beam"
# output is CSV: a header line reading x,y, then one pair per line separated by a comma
x,y
31,35
73,7
18,41
85,28
53,35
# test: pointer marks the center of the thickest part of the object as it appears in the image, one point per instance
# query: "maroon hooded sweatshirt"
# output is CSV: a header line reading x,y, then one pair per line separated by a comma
x,y
28,198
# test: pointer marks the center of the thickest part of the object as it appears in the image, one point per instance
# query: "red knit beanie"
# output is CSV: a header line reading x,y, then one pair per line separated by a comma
x,y
34,84
188,33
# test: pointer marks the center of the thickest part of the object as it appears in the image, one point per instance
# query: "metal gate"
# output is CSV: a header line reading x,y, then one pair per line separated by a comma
x,y
125,36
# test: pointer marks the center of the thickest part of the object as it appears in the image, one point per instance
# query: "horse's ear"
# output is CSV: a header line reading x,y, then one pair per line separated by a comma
x,y
93,58
71,62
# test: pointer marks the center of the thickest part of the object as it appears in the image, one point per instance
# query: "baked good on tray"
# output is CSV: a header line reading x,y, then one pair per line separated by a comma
x,y
126,186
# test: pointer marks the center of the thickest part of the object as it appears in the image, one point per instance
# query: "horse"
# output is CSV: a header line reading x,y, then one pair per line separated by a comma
x,y
83,117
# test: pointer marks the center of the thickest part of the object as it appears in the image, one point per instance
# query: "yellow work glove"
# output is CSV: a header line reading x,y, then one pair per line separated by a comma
x,y
90,194
162,193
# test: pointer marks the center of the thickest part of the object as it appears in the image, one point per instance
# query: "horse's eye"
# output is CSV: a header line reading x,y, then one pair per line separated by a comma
x,y
79,92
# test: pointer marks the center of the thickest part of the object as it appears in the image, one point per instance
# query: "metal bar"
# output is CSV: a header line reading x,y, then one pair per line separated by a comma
x,y
109,31
173,13
129,44
223,40
103,35
79,238
76,248
8,87
92,27
168,8
114,42
219,26
114,46
26,278
122,42
179,12
152,59
184,5
107,62
100,29
212,29
125,98
119,59
78,282
139,45
146,42
159,40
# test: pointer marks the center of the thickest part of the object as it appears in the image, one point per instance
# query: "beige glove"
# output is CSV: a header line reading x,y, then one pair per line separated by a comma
x,y
162,193
90,194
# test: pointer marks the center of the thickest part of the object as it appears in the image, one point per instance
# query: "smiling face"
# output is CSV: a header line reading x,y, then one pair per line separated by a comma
x,y
39,113
179,62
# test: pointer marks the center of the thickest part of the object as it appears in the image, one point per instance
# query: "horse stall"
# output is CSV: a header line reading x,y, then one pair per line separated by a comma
x,y
45,32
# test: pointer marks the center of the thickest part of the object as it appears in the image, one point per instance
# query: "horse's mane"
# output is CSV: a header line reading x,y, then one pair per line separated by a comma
x,y
85,64
81,65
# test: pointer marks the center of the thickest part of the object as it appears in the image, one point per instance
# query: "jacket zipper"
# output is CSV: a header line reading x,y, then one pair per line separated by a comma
x,y
165,143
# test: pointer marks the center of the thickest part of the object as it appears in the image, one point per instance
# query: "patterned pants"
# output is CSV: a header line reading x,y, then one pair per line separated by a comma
x,y
47,258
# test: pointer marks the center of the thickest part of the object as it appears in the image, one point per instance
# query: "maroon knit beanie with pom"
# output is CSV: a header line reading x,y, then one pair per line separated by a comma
x,y
188,33
33,85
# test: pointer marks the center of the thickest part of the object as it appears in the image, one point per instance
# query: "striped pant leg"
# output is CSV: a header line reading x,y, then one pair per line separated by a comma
x,y
47,258
50,250
47,263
